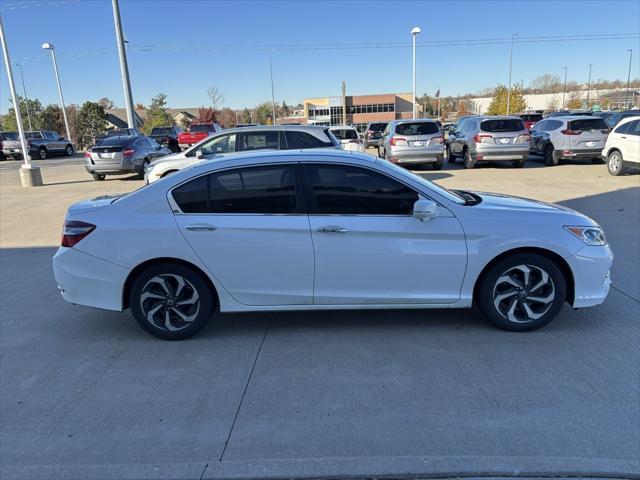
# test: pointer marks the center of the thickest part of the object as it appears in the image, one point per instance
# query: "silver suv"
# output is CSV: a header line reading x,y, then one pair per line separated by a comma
x,y
489,139
413,142
569,137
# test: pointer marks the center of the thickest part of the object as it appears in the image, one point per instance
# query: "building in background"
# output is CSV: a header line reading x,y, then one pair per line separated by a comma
x,y
360,109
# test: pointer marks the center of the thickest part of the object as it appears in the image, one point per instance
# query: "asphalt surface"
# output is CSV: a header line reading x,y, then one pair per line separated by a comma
x,y
86,394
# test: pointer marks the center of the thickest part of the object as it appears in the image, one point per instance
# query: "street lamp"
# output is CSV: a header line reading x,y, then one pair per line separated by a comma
x,y
510,64
589,86
49,46
564,89
26,99
414,33
628,78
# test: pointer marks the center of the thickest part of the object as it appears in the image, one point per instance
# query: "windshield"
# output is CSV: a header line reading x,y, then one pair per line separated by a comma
x,y
9,135
33,135
162,131
201,128
345,133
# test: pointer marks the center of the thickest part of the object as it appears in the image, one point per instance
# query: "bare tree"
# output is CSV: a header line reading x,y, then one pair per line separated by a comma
x,y
546,83
106,103
216,97
552,104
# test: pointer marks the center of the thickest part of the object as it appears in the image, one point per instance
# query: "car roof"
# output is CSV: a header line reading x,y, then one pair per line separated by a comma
x,y
275,156
497,117
627,119
342,127
302,128
576,117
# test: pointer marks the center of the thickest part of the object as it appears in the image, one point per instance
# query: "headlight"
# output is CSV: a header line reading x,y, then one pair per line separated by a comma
x,y
589,235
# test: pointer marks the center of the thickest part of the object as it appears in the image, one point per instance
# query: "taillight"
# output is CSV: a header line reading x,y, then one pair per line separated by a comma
x,y
437,140
525,137
482,138
87,154
397,141
73,231
128,152
570,132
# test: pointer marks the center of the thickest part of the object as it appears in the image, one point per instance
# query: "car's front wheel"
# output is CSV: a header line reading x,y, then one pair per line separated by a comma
x,y
69,150
522,292
42,153
614,163
550,157
98,176
171,301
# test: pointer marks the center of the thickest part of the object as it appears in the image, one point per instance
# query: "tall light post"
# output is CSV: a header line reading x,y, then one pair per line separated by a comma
x,y
589,86
273,101
415,31
30,175
124,67
510,65
26,99
50,47
564,88
628,79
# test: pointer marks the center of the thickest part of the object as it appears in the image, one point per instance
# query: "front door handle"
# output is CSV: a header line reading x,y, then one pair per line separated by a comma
x,y
333,229
201,227
623,136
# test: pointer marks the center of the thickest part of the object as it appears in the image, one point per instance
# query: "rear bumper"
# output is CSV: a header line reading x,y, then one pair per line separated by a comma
x,y
590,266
580,153
417,155
499,154
126,166
87,280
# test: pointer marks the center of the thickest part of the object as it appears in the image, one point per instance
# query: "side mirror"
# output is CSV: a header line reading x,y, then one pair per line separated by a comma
x,y
199,154
424,209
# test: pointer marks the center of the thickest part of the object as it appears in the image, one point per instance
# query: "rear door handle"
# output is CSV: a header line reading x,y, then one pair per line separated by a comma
x,y
623,136
201,227
333,229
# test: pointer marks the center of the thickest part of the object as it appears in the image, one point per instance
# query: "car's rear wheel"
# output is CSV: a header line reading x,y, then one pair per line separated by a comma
x,y
437,165
171,301
451,158
615,164
550,157
597,160
518,163
143,168
42,153
469,162
522,292
69,150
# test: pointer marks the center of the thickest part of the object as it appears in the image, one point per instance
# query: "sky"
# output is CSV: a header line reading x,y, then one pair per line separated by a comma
x,y
183,47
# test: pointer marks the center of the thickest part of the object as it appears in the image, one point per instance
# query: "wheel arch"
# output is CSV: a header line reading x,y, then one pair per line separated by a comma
x,y
133,274
553,256
614,149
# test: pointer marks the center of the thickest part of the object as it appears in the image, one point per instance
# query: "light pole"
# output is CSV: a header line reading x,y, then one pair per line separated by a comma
x,y
273,101
30,176
510,64
26,99
415,31
564,89
50,47
589,86
124,67
628,79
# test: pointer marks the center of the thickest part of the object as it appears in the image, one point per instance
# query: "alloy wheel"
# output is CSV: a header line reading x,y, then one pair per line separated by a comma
x,y
614,163
523,293
169,302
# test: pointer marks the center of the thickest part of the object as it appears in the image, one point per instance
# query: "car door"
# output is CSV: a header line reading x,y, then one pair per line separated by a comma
x,y
455,137
249,227
217,146
536,136
369,249
629,141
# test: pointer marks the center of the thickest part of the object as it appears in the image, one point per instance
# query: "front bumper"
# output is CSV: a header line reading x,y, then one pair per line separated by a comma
x,y
591,266
87,280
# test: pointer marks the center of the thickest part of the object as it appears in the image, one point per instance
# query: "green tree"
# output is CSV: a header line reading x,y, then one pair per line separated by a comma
x,y
51,119
498,105
264,113
157,115
35,109
92,121
245,116
285,111
185,122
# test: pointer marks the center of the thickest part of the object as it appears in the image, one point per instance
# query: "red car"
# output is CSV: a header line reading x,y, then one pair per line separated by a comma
x,y
530,119
197,132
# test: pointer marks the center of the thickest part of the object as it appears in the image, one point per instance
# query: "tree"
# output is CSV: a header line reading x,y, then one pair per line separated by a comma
x,y
92,121
35,109
245,116
285,111
185,122
465,107
139,107
106,103
263,113
227,118
51,119
546,83
207,115
552,104
216,97
157,115
574,102
498,105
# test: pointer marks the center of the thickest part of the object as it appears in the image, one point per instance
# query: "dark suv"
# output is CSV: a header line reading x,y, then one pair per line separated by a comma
x,y
167,136
373,134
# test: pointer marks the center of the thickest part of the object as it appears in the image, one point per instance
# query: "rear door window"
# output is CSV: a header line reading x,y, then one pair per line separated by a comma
x,y
417,128
502,125
297,140
259,140
345,134
595,123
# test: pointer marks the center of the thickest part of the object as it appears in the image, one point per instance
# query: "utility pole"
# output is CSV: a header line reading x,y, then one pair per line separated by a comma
x,y
344,103
26,99
415,31
30,175
628,79
273,101
564,89
50,47
124,67
510,65
589,86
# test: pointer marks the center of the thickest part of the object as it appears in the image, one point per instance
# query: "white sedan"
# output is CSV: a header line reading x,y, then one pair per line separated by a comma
x,y
322,230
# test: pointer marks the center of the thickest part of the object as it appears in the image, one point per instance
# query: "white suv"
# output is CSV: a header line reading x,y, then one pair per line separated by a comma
x,y
623,146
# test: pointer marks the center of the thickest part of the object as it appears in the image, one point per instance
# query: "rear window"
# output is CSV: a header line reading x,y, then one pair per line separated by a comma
x,y
502,125
531,117
377,127
417,128
595,123
345,134
33,135
297,140
201,128
115,141
162,131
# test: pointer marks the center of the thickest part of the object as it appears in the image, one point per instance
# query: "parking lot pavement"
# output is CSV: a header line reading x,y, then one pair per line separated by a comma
x,y
87,394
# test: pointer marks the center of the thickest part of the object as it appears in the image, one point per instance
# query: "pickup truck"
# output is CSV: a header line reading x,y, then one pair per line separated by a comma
x,y
167,137
196,133
41,144
117,132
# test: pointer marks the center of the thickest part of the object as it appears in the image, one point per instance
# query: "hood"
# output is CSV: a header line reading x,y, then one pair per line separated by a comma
x,y
92,204
169,158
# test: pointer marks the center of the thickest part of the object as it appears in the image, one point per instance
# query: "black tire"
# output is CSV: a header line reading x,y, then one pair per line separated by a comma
x,y
195,286
550,156
451,158
69,150
506,309
145,163
469,162
99,177
42,153
597,161
518,163
615,163
437,165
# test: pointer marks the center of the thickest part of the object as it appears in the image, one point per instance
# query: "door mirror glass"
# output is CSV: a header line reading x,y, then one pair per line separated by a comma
x,y
424,209
199,154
